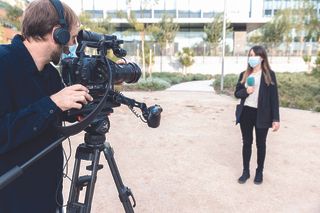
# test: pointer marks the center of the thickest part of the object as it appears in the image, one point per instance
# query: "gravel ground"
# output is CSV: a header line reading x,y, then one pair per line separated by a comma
x,y
191,163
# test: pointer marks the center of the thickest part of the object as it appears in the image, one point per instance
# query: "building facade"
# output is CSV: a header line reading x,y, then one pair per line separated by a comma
x,y
192,16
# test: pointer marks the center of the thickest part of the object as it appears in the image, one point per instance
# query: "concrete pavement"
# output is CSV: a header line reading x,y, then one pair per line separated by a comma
x,y
198,86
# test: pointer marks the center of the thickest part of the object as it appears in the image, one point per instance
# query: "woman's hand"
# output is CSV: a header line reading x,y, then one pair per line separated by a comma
x,y
250,90
275,126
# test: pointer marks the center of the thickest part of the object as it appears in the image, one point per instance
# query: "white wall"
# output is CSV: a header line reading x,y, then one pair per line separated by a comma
x,y
212,65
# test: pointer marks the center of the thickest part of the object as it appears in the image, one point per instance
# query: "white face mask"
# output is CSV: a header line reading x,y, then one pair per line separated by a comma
x,y
72,52
253,61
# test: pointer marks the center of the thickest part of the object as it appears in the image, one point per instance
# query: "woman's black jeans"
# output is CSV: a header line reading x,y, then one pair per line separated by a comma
x,y
247,122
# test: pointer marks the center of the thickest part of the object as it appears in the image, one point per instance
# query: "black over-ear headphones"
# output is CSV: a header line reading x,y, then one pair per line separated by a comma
x,y
61,35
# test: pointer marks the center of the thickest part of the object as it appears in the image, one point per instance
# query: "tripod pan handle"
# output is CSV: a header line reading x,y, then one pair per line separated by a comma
x,y
9,176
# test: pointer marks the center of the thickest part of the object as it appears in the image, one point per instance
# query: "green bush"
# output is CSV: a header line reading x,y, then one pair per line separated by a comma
x,y
177,77
162,80
148,85
229,83
296,90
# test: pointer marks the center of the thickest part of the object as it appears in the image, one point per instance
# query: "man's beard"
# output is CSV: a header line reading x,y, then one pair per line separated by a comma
x,y
56,55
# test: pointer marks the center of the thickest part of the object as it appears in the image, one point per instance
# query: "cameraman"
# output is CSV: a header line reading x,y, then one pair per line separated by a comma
x,y
32,101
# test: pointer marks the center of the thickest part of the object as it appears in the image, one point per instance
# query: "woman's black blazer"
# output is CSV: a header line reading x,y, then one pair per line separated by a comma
x,y
268,101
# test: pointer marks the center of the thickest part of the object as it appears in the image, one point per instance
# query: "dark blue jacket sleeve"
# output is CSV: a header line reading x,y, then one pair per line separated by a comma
x,y
20,126
274,99
241,91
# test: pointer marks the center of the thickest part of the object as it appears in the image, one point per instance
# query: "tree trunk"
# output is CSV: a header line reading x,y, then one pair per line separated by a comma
x,y
301,46
161,49
150,64
142,35
288,52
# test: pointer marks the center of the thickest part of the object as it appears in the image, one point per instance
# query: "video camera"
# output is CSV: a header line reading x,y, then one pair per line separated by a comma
x,y
92,71
99,74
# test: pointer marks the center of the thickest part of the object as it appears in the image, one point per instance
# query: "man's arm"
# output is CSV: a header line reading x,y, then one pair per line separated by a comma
x,y
21,126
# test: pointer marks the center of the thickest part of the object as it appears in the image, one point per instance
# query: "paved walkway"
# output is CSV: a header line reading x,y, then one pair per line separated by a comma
x,y
199,86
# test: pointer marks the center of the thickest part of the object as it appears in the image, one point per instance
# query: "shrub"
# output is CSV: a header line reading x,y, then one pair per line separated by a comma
x,y
296,90
148,85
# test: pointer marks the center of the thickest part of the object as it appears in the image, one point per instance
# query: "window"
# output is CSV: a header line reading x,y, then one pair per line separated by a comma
x,y
267,12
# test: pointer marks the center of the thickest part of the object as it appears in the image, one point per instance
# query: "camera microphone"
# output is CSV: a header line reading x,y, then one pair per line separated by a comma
x,y
84,35
154,115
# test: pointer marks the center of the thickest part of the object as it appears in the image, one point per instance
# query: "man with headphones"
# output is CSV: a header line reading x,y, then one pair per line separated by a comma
x,y
32,99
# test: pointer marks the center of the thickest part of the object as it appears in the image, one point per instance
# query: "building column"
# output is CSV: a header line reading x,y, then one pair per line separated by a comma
x,y
239,43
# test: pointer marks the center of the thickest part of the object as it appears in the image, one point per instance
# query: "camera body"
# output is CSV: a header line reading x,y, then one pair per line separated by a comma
x,y
92,72
99,74
96,71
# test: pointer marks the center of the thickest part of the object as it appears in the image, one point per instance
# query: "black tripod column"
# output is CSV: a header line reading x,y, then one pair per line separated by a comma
x,y
124,192
88,153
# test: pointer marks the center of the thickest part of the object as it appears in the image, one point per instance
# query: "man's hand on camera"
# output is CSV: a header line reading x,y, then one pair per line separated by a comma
x,y
71,97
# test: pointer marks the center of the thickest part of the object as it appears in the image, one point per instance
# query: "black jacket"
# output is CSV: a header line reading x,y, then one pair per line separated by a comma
x,y
27,120
268,101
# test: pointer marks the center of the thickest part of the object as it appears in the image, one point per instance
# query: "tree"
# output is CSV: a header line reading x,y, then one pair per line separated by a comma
x,y
316,69
105,26
13,15
164,33
312,27
273,32
213,32
149,57
286,17
255,38
142,29
305,22
186,58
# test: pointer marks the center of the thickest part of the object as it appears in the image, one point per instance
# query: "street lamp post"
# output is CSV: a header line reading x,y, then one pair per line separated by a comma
x,y
204,51
223,43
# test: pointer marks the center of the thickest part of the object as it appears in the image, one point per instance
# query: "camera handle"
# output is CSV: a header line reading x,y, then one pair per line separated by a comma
x,y
90,151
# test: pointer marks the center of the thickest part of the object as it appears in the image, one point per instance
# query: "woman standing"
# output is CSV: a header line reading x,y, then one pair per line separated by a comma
x,y
257,89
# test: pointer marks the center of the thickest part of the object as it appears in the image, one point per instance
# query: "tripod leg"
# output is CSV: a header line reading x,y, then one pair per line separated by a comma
x,y
88,181
124,192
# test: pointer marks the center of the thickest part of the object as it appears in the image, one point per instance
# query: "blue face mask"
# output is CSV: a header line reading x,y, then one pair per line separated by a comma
x,y
72,52
253,61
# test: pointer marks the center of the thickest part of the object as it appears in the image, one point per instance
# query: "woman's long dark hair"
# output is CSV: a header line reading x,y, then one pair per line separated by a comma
x,y
265,66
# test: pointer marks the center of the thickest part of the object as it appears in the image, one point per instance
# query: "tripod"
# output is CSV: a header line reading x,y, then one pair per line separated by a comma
x,y
95,143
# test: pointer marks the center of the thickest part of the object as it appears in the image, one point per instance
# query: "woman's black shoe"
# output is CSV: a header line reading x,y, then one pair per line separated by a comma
x,y
244,177
258,179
